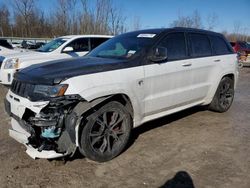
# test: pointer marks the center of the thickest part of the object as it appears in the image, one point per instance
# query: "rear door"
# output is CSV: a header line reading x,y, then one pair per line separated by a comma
x,y
203,64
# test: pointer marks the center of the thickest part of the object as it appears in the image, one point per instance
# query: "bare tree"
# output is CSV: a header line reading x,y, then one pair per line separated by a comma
x,y
60,18
24,10
136,25
196,17
182,21
192,21
237,29
116,21
212,21
96,17
4,21
105,18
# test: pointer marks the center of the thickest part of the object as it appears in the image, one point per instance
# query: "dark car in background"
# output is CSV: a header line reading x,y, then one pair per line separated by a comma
x,y
31,45
4,43
243,49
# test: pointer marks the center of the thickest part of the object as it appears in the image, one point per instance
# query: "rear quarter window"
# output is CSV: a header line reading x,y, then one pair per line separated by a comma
x,y
199,45
219,45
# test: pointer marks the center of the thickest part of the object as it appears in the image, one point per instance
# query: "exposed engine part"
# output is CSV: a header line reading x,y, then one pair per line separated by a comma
x,y
51,132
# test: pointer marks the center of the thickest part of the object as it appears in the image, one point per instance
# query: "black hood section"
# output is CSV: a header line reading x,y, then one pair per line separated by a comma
x,y
53,72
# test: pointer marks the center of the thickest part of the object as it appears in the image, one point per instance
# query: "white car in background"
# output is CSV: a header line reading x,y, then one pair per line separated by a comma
x,y
59,48
6,51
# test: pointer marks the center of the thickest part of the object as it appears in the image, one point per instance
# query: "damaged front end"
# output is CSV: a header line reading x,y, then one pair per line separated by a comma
x,y
47,128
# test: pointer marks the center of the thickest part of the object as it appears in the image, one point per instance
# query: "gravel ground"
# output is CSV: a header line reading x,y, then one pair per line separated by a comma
x,y
212,149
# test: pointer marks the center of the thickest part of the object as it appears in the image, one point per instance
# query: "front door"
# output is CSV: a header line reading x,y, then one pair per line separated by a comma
x,y
169,84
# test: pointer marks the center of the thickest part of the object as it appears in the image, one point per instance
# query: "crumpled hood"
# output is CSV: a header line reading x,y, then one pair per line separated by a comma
x,y
55,71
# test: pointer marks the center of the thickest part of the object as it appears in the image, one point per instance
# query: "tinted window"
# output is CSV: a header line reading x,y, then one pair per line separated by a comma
x,y
219,45
176,46
200,45
79,45
96,42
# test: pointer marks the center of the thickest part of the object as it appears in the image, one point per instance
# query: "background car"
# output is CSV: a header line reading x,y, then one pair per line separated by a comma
x,y
59,48
4,43
6,48
243,48
31,45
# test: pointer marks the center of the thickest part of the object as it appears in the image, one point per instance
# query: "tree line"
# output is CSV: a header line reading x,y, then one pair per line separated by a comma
x,y
23,18
195,20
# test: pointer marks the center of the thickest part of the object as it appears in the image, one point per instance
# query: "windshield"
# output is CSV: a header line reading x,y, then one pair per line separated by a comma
x,y
124,46
52,45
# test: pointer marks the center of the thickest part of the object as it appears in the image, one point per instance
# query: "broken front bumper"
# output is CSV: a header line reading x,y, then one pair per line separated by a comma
x,y
33,133
21,135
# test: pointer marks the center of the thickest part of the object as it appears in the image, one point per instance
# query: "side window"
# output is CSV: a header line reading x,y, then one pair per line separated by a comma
x,y
219,45
94,42
79,45
176,46
200,45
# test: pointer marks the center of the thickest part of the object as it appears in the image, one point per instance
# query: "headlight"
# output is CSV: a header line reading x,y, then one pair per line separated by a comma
x,y
51,91
12,63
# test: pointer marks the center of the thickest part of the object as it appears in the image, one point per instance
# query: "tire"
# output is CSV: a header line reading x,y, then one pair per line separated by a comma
x,y
223,97
106,132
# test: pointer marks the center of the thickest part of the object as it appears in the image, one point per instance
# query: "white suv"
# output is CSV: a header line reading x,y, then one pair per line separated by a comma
x,y
59,48
92,103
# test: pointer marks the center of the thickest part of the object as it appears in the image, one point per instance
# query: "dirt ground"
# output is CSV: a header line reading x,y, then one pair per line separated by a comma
x,y
212,148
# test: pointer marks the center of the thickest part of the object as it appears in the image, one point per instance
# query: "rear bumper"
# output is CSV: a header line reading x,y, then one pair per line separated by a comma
x,y
21,135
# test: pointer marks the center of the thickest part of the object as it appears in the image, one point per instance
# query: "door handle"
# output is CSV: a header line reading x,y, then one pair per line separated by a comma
x,y
186,64
140,82
217,60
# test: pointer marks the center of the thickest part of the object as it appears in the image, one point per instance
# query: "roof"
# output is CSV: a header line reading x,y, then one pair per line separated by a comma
x,y
160,30
193,29
86,36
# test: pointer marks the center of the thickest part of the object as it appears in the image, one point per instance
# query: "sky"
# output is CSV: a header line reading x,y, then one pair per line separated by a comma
x,y
160,13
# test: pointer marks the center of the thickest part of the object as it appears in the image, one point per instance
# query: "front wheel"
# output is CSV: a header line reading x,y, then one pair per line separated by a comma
x,y
106,132
224,95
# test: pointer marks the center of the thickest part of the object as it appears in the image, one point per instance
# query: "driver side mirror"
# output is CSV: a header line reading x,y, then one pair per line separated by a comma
x,y
159,54
68,49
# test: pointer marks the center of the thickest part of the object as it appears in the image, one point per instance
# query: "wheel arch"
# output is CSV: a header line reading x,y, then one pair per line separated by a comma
x,y
78,116
229,75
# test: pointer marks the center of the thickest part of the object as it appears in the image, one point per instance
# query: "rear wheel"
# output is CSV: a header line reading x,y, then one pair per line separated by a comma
x,y
224,95
106,132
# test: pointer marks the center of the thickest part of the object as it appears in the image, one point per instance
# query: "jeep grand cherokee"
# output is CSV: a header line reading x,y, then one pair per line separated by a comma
x,y
92,103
